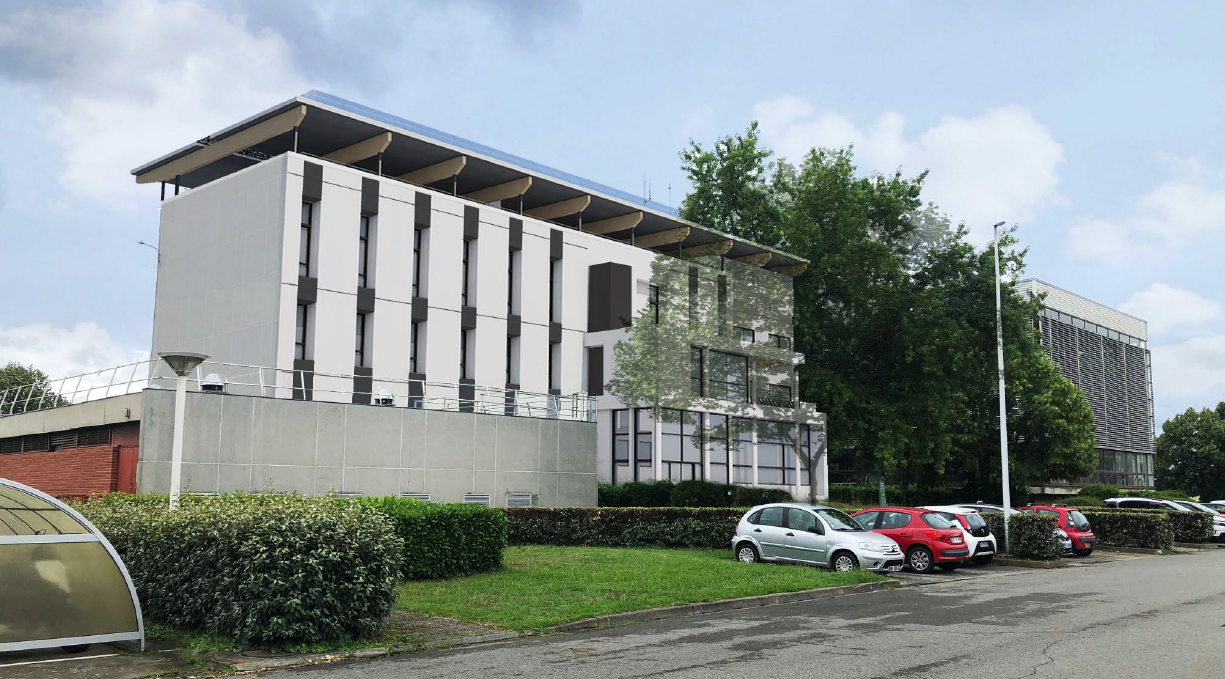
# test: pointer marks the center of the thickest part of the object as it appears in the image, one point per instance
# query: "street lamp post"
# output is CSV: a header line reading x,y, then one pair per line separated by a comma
x,y
999,350
181,363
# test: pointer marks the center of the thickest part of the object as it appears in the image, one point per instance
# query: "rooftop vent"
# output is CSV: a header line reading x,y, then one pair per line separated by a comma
x,y
385,398
213,384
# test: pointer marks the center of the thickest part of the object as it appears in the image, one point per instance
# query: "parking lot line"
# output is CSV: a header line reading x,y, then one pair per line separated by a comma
x,y
51,660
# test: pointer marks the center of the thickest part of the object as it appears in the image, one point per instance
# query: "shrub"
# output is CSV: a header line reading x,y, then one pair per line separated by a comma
x,y
1033,537
1100,491
868,495
1147,528
444,540
748,496
612,495
995,522
270,569
1191,526
648,494
1159,494
701,494
622,526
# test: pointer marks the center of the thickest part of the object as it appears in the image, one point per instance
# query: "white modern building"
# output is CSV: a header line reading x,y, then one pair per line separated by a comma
x,y
328,253
1104,352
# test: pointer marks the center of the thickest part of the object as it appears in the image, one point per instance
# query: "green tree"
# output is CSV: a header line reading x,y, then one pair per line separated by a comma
x,y
24,388
1191,452
896,318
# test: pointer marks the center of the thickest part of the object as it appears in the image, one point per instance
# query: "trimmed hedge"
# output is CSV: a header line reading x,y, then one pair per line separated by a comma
x,y
622,526
995,521
687,494
270,569
1146,528
444,540
1033,537
868,495
1187,526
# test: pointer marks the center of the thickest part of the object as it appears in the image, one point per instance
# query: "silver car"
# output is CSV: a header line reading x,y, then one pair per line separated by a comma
x,y
812,534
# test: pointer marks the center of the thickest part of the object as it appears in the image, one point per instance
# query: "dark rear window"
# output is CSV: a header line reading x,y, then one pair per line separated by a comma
x,y
937,521
974,520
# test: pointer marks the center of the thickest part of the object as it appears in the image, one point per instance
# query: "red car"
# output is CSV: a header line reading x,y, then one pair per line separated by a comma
x,y
926,538
1072,522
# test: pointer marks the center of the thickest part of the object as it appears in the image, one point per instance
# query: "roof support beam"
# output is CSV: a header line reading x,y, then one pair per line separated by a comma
x,y
510,189
436,172
791,269
669,237
361,150
562,208
222,148
716,249
613,224
758,259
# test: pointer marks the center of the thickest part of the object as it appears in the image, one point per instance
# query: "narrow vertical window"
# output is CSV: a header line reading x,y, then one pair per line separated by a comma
x,y
553,292
464,273
415,343
359,352
299,344
304,242
653,302
416,262
510,343
510,283
463,351
695,371
552,349
363,252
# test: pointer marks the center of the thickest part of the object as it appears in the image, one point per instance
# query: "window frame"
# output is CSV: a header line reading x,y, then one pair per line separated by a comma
x,y
363,252
359,355
306,235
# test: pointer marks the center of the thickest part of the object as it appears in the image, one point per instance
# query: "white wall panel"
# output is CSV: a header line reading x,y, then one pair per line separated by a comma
x,y
338,216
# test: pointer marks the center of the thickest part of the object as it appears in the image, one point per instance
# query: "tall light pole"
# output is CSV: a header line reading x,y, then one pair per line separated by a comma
x,y
181,363
999,354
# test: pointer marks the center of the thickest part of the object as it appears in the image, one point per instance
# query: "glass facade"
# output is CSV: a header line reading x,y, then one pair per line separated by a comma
x,y
681,445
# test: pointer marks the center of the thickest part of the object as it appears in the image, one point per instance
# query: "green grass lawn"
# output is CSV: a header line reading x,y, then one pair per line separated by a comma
x,y
542,586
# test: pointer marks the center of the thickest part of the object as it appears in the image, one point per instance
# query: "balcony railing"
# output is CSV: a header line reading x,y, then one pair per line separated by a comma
x,y
775,395
247,380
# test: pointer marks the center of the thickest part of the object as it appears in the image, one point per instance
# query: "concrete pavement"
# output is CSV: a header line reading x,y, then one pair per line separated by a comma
x,y
1158,617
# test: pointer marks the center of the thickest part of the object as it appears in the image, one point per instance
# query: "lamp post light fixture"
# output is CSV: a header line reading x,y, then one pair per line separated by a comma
x,y
181,363
999,347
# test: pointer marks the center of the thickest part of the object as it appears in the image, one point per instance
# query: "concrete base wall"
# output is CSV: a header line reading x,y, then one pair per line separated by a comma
x,y
244,443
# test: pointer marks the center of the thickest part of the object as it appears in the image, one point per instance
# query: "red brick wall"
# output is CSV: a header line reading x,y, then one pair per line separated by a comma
x,y
65,473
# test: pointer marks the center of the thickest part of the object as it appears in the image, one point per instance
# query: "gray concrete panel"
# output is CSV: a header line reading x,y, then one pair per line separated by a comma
x,y
486,482
548,491
157,427
486,441
576,490
331,434
283,433
202,428
236,420
412,481
518,441
328,480
233,478
153,477
517,482
449,441
372,437
448,485
413,440
283,478
576,449
371,481
198,478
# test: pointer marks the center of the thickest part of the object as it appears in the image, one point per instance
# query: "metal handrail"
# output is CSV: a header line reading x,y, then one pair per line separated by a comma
x,y
264,381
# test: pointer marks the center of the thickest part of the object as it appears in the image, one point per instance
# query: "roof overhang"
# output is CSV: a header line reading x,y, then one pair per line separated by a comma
x,y
322,125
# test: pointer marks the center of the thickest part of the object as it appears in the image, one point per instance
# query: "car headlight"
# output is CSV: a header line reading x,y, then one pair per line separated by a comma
x,y
871,547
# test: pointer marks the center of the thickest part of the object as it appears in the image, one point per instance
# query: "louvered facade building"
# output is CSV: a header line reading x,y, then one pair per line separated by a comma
x,y
1105,353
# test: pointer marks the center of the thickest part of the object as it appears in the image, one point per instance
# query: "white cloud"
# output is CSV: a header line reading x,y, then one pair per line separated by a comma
x,y
62,352
1001,165
1182,212
1166,307
1192,371
126,82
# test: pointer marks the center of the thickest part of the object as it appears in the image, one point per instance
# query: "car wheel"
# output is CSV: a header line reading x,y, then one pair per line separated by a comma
x,y
75,648
983,560
920,560
1084,552
949,566
844,562
746,553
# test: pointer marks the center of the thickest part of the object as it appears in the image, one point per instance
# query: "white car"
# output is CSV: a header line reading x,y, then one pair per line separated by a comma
x,y
812,534
1065,540
974,529
1218,518
1144,503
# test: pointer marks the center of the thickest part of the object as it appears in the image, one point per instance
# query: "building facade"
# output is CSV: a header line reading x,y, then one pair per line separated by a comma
x,y
344,268
1104,352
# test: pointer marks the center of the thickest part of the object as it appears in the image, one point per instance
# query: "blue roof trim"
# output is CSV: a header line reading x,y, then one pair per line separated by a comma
x,y
487,151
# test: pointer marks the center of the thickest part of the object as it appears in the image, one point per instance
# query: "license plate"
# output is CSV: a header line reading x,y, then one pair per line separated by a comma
x,y
986,548
893,569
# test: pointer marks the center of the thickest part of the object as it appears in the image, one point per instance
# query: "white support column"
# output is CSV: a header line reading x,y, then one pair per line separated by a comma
x,y
754,421
705,446
797,489
656,441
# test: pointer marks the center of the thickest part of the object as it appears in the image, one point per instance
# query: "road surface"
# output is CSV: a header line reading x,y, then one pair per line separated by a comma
x,y
1151,617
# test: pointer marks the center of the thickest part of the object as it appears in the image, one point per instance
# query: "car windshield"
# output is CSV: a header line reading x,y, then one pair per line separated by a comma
x,y
975,520
838,520
1077,520
937,521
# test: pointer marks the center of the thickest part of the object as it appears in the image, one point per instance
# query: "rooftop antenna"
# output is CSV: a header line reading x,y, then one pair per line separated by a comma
x,y
646,190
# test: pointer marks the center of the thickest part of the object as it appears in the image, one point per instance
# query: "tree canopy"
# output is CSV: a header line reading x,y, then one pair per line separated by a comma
x,y
1191,453
896,318
25,388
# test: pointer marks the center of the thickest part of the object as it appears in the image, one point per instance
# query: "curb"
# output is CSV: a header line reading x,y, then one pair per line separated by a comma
x,y
1030,563
1136,550
606,621
1199,545
251,665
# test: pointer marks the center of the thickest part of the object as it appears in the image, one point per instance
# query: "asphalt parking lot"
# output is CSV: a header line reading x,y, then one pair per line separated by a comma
x,y
1110,616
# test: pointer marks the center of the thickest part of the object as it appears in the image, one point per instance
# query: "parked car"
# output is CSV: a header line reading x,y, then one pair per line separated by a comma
x,y
1143,503
974,530
812,534
1218,518
1218,507
984,508
926,537
1077,534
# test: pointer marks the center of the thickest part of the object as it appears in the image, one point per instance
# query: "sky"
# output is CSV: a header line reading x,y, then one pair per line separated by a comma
x,y
1095,127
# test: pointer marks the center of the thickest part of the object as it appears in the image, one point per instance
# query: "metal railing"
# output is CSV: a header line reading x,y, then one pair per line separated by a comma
x,y
249,380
